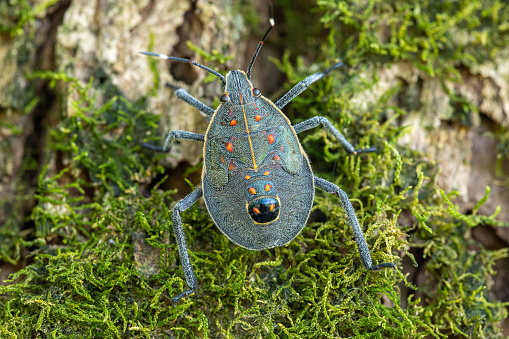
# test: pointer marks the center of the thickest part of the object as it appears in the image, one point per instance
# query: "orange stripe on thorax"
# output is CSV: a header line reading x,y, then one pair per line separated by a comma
x,y
248,133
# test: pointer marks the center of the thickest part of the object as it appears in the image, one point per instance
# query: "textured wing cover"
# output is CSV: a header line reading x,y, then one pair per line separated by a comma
x,y
255,136
229,211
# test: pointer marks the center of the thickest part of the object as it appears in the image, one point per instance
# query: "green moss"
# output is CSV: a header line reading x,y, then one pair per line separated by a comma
x,y
437,36
18,15
105,263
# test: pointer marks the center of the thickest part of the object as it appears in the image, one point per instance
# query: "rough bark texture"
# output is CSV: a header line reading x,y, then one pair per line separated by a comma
x,y
102,39
462,148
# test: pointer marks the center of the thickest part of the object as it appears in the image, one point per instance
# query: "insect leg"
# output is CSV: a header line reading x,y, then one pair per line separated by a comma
x,y
171,137
188,98
354,223
301,86
315,121
181,206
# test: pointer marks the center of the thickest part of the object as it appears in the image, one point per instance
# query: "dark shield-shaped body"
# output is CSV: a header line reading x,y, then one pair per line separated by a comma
x,y
257,182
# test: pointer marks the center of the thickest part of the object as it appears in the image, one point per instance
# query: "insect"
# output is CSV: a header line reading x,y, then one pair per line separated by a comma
x,y
257,181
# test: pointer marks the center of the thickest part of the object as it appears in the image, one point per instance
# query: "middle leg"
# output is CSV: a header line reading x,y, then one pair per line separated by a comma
x,y
173,135
314,122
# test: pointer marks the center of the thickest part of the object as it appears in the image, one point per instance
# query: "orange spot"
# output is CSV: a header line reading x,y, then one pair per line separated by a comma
x,y
252,190
271,138
268,187
266,173
233,123
256,210
258,118
247,177
272,207
229,147
231,167
222,159
282,148
276,158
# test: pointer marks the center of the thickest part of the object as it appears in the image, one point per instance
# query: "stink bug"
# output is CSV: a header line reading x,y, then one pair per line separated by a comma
x,y
257,181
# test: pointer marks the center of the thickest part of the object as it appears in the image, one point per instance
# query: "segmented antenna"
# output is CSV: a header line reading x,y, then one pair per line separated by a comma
x,y
260,44
187,61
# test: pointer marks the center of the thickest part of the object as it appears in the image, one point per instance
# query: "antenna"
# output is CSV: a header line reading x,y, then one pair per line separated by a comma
x,y
187,61
260,44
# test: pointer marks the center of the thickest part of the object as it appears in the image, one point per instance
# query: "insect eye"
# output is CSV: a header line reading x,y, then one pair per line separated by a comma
x,y
256,92
224,98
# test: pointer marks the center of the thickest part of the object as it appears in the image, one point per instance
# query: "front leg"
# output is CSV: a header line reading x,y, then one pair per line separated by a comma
x,y
183,95
314,122
181,206
354,223
302,85
181,135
